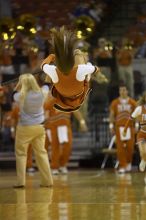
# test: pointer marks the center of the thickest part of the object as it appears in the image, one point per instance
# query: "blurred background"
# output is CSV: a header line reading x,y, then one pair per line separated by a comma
x,y
105,28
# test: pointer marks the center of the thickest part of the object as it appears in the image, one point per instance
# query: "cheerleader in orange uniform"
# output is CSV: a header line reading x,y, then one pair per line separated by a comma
x,y
59,133
140,114
70,81
120,110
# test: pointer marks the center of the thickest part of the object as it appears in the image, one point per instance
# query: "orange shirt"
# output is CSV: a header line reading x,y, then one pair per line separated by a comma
x,y
124,57
102,53
33,59
68,85
122,109
6,58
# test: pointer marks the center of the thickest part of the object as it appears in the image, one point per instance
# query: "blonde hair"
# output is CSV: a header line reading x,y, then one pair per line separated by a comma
x,y
28,83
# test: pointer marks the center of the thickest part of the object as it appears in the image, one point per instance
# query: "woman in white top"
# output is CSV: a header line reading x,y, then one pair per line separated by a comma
x,y
30,130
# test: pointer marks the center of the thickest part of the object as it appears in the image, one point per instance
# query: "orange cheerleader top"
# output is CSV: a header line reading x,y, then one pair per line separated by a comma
x,y
69,91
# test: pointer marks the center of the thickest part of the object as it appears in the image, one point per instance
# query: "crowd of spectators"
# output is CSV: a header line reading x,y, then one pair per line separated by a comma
x,y
23,57
24,53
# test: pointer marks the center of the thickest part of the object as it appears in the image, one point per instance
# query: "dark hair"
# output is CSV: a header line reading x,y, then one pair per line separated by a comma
x,y
63,42
122,84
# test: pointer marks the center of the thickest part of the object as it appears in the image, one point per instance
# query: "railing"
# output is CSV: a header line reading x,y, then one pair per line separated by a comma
x,y
100,130
90,146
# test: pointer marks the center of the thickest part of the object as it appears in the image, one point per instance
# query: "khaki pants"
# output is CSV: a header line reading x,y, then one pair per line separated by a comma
x,y
126,75
34,135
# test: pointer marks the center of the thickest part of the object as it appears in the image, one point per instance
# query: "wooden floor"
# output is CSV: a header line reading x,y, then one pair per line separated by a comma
x,y
80,195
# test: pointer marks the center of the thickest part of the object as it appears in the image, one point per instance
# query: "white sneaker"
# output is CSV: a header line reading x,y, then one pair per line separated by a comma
x,y
63,170
30,170
121,171
129,167
142,165
55,172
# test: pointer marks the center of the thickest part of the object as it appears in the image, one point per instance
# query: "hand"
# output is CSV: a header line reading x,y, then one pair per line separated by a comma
x,y
52,56
48,79
13,132
83,126
18,86
136,127
102,78
112,131
112,128
99,77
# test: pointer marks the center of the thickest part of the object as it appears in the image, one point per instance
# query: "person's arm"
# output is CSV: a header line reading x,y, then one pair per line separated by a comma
x,y
130,119
45,90
18,86
50,69
112,121
48,60
14,120
99,77
16,93
133,116
84,70
48,79
91,71
78,115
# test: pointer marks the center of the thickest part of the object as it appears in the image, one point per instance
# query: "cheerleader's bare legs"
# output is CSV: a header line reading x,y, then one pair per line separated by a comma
x,y
142,150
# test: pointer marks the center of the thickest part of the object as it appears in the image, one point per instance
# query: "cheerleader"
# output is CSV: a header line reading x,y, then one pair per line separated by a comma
x,y
70,81
120,110
59,132
140,114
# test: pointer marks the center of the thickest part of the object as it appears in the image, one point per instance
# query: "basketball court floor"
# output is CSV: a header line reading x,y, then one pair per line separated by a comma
x,y
80,195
